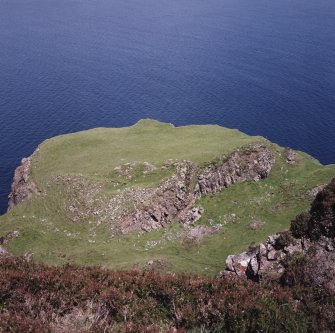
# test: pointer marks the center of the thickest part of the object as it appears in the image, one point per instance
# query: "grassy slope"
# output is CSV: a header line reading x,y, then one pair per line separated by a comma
x,y
47,231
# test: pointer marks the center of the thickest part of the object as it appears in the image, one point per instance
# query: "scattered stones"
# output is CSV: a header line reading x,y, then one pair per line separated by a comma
x,y
196,234
10,236
125,170
157,264
256,225
192,215
148,168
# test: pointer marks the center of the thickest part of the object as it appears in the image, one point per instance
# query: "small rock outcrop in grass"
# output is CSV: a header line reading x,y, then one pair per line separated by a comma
x,y
305,254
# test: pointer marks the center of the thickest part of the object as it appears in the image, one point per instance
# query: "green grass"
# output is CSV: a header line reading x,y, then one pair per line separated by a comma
x,y
47,230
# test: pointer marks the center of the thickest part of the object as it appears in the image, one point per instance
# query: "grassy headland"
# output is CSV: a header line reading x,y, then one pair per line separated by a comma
x,y
77,178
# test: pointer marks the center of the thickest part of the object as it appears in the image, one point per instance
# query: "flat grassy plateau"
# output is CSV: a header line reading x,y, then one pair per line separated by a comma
x,y
80,168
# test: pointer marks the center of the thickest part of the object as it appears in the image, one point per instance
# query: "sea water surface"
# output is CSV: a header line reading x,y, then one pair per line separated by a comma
x,y
266,67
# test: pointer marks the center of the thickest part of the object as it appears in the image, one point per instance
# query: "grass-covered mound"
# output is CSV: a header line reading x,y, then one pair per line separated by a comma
x,y
79,175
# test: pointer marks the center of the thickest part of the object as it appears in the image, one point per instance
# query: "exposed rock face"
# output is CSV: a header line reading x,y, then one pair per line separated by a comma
x,y
316,249
266,261
172,200
251,164
175,198
322,220
22,187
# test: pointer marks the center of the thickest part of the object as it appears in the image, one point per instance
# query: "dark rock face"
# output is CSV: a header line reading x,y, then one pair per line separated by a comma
x,y
177,195
22,187
277,259
322,220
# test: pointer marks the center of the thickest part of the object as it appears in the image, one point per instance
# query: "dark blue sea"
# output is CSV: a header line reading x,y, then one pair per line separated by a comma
x,y
266,67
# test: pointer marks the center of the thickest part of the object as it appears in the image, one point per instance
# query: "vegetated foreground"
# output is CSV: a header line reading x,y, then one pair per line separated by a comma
x,y
37,298
156,196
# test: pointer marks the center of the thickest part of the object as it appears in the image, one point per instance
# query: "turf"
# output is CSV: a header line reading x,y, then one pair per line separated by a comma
x,y
48,231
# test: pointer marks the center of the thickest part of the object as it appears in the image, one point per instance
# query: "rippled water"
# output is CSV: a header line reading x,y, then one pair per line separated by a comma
x,y
265,67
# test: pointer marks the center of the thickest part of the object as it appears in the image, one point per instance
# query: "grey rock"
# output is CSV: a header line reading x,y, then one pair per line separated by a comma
x,y
272,255
175,196
291,156
262,249
230,263
23,187
3,252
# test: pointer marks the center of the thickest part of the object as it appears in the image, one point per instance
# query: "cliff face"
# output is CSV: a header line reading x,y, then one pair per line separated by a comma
x,y
306,252
23,186
176,196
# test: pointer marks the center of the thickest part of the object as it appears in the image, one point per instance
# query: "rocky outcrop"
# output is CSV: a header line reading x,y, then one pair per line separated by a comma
x,y
146,209
23,186
291,156
312,253
176,196
6,239
267,260
9,237
250,164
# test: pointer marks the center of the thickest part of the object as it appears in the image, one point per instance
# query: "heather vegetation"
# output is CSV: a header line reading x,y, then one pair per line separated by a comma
x,y
37,298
